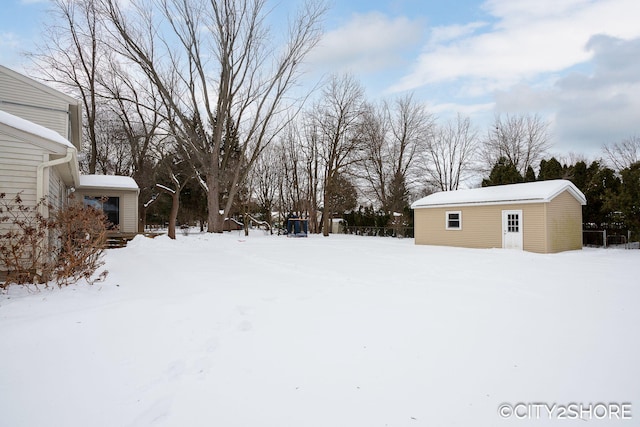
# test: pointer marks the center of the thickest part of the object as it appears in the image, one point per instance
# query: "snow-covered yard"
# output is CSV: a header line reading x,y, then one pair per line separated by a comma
x,y
223,330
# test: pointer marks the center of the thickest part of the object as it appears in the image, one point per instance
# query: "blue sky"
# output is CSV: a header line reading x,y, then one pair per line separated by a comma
x,y
575,62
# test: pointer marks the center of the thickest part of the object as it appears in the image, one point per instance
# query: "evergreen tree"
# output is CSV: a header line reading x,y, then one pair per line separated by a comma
x,y
367,217
231,160
629,196
530,175
398,194
504,172
193,204
343,195
579,177
601,192
551,169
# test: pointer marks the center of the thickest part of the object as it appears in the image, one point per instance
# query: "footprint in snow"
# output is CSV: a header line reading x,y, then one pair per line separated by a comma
x,y
154,414
175,370
245,326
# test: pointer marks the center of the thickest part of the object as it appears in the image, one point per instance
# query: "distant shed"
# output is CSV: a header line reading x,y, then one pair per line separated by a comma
x,y
543,217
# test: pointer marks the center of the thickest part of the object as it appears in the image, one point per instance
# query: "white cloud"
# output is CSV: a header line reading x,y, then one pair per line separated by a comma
x,y
450,109
528,38
9,40
367,42
443,34
588,109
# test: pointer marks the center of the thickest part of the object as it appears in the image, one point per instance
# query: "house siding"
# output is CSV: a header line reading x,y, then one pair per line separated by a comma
x,y
33,104
129,216
481,226
57,193
18,165
564,223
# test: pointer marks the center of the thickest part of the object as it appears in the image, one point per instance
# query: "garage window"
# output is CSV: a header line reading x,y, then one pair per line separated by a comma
x,y
453,220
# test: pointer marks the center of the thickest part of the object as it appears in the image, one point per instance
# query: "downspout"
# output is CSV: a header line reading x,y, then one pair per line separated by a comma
x,y
40,175
42,208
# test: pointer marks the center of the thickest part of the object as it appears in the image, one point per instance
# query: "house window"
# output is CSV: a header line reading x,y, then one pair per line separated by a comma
x,y
453,220
109,205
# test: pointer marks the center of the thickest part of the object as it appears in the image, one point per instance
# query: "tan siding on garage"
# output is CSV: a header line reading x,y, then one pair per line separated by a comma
x,y
481,226
564,223
534,238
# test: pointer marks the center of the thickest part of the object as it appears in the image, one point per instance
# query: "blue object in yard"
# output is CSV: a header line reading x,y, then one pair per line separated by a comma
x,y
297,227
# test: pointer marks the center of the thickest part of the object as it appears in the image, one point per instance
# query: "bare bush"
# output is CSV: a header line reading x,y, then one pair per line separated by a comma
x,y
23,234
65,247
82,233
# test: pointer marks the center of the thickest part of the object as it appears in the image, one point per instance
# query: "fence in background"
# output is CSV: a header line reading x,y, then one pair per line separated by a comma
x,y
379,231
611,239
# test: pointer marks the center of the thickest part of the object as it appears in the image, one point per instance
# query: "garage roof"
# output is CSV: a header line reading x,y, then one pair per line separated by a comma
x,y
528,192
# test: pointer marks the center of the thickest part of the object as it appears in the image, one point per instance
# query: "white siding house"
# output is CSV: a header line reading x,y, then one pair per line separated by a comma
x,y
40,104
40,136
35,161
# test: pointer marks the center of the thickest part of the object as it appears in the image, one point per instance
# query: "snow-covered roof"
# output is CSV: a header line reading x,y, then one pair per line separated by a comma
x,y
528,192
33,129
115,182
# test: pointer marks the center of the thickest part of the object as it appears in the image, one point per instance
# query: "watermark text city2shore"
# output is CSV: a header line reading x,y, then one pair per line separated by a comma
x,y
569,411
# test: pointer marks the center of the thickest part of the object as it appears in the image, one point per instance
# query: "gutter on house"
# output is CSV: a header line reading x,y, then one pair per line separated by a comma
x,y
40,190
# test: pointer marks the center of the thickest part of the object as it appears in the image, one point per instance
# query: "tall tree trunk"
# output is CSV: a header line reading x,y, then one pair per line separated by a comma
x,y
173,215
215,221
326,215
142,217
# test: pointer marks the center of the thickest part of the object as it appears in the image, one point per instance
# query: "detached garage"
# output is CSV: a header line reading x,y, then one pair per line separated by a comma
x,y
543,217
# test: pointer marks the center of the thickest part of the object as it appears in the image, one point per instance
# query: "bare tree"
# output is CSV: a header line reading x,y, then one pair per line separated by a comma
x,y
263,180
410,125
228,78
114,154
395,133
173,169
337,120
450,153
522,140
137,109
312,174
376,165
71,56
299,170
623,154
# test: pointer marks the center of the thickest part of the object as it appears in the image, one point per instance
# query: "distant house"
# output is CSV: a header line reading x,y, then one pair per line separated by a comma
x,y
40,136
231,224
543,217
